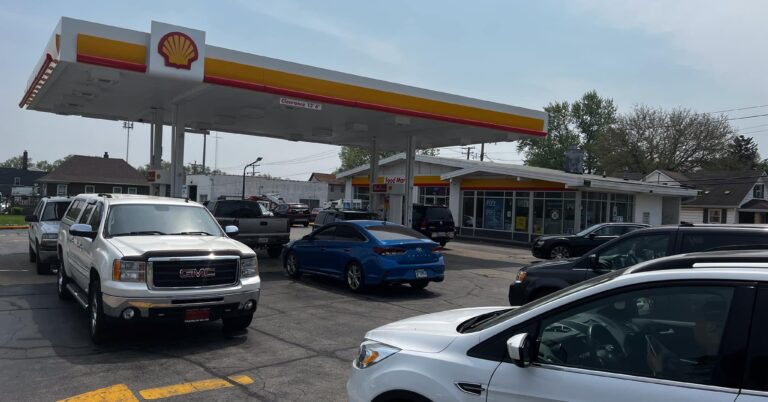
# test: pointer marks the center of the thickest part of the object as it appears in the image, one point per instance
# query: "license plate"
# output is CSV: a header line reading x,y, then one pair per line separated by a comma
x,y
197,315
263,240
421,273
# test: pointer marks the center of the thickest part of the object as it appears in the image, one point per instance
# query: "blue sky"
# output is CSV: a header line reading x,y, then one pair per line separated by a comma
x,y
704,55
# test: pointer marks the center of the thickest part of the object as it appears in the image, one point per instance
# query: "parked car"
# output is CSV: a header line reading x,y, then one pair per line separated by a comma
x,y
567,246
338,215
540,279
435,222
313,214
130,258
365,253
296,213
44,230
255,228
683,328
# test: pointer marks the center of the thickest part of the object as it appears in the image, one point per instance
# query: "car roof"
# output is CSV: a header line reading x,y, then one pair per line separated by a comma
x,y
116,199
58,199
711,259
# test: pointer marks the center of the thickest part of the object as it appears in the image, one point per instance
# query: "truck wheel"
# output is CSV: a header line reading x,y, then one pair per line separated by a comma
x,y
62,282
292,267
274,252
32,256
97,321
419,285
42,268
237,323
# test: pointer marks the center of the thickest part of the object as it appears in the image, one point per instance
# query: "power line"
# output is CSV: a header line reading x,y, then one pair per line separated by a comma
x,y
737,109
748,117
751,127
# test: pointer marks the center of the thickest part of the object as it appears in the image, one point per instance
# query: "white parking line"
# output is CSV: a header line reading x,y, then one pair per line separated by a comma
x,y
14,270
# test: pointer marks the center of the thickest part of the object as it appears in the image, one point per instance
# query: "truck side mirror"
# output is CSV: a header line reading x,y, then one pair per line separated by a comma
x,y
231,230
519,350
82,230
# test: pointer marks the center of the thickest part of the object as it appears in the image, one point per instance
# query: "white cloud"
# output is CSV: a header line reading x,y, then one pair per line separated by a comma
x,y
723,38
285,12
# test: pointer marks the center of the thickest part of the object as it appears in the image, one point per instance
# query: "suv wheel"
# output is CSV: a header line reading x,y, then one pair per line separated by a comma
x,y
355,277
237,323
61,283
42,268
97,321
32,256
274,252
292,267
560,251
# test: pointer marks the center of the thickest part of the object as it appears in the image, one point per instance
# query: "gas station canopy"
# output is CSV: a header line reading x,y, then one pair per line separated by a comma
x,y
170,76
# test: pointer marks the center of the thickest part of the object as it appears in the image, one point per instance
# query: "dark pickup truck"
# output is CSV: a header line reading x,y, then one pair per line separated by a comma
x,y
256,229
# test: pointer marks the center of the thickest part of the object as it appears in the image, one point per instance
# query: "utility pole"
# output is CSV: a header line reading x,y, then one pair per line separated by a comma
x,y
469,150
482,151
128,126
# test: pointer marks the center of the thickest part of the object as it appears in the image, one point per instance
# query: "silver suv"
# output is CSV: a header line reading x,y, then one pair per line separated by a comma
x,y
44,230
129,258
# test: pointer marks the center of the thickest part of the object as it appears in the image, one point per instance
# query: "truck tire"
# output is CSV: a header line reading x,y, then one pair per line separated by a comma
x,y
32,256
274,252
61,283
41,267
99,327
237,323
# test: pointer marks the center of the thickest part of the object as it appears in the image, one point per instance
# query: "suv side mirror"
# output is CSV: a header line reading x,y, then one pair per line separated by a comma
x,y
231,230
31,218
82,230
592,236
519,350
594,261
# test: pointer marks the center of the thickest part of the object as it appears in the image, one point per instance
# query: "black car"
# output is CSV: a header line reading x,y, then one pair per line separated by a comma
x,y
537,280
434,221
567,246
296,213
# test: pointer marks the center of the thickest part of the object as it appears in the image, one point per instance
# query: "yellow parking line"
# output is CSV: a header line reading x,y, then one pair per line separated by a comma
x,y
192,387
115,393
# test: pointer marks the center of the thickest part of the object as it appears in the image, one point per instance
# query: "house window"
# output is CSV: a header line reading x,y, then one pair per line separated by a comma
x,y
90,189
758,191
714,216
132,190
117,190
61,190
17,181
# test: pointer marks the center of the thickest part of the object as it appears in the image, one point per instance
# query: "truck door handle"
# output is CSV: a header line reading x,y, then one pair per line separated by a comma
x,y
263,223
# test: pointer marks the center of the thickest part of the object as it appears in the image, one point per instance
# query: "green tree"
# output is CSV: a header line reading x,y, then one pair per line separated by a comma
x,y
189,168
46,166
549,152
741,155
16,162
592,115
680,140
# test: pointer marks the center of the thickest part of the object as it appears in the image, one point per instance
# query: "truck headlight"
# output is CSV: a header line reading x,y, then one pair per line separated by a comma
x,y
520,278
129,271
372,352
49,238
249,267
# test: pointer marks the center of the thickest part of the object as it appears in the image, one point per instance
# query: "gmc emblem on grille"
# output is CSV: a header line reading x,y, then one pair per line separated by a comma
x,y
197,273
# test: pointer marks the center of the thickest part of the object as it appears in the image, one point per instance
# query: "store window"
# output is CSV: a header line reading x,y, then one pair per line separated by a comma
x,y
621,207
554,212
468,209
363,194
496,210
433,195
522,211
493,210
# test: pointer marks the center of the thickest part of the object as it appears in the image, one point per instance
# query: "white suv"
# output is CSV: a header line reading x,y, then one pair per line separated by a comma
x,y
44,230
689,327
128,257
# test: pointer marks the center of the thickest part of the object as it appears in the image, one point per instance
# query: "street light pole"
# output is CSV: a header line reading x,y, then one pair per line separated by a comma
x,y
245,169
128,126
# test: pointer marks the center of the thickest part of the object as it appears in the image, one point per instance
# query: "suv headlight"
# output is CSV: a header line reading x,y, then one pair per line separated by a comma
x,y
129,271
49,238
372,352
520,278
249,267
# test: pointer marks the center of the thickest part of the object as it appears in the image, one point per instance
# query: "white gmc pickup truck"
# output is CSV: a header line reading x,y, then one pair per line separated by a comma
x,y
129,258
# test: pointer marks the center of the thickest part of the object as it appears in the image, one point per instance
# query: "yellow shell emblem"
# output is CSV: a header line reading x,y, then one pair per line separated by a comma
x,y
178,50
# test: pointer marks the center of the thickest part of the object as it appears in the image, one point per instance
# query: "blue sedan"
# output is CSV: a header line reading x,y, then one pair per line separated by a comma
x,y
364,253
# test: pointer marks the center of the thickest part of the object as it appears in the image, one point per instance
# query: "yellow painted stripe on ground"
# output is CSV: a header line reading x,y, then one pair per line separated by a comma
x,y
192,387
115,393
111,49
264,76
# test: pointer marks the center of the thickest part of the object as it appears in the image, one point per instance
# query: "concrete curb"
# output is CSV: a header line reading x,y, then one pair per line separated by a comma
x,y
12,227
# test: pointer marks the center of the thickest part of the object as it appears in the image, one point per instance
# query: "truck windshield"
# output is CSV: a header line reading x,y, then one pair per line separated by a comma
x,y
153,219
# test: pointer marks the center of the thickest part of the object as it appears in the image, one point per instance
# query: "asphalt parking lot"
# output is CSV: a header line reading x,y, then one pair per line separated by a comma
x,y
299,346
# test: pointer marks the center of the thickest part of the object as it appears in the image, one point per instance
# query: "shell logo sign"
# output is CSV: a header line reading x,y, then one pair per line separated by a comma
x,y
178,50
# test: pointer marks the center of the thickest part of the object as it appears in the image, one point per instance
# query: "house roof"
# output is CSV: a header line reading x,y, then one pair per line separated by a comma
x,y
329,178
91,169
628,175
721,188
676,176
27,178
755,204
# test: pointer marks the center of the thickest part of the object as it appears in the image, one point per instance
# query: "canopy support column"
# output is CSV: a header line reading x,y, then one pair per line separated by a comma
x,y
410,158
177,154
374,175
156,148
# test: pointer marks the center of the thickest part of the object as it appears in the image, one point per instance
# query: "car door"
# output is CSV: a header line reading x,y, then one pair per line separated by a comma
x,y
34,227
629,251
74,270
755,387
337,254
310,252
690,347
81,253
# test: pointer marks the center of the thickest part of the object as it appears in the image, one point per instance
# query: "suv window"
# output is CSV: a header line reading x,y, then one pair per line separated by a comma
x,y
53,211
95,220
238,209
86,213
610,231
439,214
74,210
634,250
707,241
671,333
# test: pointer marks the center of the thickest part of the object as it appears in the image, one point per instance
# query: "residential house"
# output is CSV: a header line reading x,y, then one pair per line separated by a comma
x,y
89,174
724,196
335,186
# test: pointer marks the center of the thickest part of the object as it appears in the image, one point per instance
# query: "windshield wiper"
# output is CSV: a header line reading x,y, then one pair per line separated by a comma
x,y
193,233
475,321
139,233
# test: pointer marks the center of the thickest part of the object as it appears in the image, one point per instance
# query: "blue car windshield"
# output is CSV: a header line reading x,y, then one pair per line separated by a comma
x,y
394,232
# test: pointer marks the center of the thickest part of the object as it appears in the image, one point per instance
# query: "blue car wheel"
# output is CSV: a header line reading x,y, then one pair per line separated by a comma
x,y
355,277
292,265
